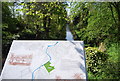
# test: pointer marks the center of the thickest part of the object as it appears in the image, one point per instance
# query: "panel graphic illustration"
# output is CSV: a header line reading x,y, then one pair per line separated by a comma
x,y
45,60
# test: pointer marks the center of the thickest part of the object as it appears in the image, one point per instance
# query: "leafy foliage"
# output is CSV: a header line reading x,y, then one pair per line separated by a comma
x,y
113,52
94,59
100,64
95,21
48,19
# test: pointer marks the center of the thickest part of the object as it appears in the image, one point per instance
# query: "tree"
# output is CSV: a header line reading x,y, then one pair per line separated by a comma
x,y
45,20
98,23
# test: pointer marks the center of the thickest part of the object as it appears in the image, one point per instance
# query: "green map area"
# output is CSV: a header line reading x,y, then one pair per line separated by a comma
x,y
48,67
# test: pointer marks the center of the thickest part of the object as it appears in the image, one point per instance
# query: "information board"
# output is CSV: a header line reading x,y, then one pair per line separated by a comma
x,y
36,59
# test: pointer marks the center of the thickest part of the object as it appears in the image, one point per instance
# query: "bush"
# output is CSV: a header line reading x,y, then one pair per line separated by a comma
x,y
113,52
102,65
112,66
95,59
111,70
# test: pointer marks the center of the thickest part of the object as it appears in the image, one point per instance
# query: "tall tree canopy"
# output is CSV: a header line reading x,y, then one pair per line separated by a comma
x,y
96,22
45,20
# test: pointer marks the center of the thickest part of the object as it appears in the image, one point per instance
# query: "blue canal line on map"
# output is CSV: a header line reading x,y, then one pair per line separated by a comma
x,y
44,63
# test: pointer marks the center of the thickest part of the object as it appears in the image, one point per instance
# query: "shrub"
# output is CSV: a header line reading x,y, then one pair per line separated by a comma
x,y
113,52
101,65
95,59
112,66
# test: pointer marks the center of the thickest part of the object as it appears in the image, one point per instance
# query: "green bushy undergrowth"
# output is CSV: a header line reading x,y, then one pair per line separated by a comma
x,y
95,59
100,65
113,52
